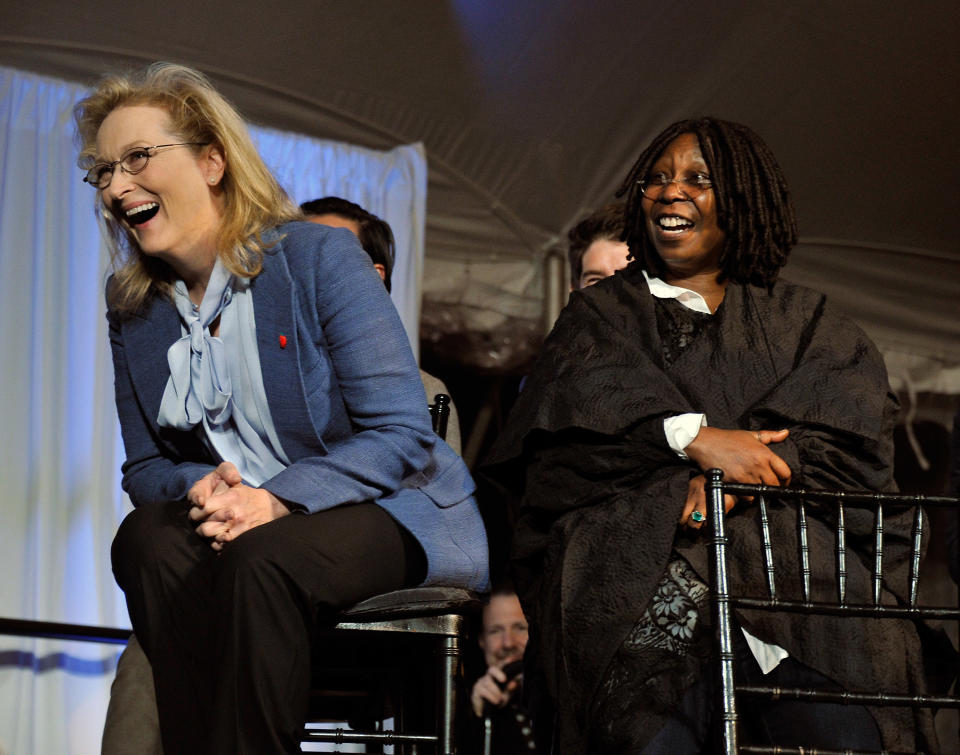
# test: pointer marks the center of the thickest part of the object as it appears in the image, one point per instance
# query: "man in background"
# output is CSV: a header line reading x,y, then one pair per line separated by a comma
x,y
375,235
595,248
503,639
376,238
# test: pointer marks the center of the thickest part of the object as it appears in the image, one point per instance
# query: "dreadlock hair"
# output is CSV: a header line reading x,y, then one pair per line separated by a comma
x,y
753,204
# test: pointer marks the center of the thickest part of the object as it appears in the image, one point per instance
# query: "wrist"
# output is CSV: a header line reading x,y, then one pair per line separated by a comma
x,y
277,507
696,445
681,430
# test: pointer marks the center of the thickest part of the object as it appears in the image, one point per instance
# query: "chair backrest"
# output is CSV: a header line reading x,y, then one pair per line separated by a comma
x,y
845,504
440,414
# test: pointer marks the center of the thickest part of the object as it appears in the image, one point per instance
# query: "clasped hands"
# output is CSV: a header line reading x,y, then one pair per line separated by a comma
x,y
224,507
743,455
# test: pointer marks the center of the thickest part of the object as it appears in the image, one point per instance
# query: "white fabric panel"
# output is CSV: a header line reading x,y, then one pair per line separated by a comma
x,y
60,450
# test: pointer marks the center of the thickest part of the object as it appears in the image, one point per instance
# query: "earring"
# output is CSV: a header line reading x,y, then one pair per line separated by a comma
x,y
213,180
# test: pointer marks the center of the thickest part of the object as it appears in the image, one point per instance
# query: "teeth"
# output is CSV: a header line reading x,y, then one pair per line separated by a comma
x,y
141,208
673,222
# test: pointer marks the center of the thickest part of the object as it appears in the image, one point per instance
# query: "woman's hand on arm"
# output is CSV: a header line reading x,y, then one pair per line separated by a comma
x,y
697,501
744,456
225,507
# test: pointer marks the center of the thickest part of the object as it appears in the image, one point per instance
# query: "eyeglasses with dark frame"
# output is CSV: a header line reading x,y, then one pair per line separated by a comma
x,y
692,185
133,161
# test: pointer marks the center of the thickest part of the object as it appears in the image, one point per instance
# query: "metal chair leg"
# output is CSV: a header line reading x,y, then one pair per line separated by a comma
x,y
450,663
487,735
722,613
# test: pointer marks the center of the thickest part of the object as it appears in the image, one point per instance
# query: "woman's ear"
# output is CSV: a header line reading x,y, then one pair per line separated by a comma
x,y
214,164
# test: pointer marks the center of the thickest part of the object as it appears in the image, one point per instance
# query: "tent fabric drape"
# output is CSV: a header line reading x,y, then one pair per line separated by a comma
x,y
60,450
531,113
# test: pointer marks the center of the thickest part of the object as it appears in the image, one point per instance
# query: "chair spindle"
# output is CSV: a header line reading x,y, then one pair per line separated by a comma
x,y
804,550
767,548
878,556
841,554
915,557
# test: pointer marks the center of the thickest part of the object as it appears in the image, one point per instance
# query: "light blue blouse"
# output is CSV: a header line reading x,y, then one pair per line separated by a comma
x,y
216,380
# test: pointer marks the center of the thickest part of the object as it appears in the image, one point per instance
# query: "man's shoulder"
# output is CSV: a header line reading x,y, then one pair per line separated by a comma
x,y
432,385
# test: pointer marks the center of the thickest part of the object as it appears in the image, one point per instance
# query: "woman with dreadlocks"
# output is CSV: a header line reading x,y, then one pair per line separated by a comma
x,y
694,357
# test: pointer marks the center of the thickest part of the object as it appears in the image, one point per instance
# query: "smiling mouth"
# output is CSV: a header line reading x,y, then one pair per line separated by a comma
x,y
141,213
673,223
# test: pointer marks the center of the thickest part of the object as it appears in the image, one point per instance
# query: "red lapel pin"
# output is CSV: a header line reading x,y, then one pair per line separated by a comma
x,y
283,342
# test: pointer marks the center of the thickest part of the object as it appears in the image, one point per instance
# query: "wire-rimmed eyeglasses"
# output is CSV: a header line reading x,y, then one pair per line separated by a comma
x,y
133,161
692,185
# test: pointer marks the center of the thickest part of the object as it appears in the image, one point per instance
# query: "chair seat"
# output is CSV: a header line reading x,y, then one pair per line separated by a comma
x,y
413,602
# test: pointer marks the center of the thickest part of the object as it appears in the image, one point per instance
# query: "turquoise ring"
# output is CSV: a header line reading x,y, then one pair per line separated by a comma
x,y
697,516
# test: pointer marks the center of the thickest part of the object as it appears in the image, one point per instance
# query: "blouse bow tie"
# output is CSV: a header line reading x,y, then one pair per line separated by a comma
x,y
199,384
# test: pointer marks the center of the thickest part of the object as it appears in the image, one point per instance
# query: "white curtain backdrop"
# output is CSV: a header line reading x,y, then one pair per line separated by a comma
x,y
60,451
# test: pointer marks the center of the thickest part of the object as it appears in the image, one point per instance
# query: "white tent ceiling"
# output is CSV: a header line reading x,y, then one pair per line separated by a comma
x,y
531,112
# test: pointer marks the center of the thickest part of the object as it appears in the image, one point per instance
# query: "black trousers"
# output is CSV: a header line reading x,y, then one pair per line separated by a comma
x,y
694,728
230,636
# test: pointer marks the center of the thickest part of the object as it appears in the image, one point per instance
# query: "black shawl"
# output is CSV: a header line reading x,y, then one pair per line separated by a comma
x,y
600,493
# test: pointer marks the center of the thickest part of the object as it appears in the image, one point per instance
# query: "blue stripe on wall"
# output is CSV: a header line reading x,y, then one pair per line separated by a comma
x,y
58,661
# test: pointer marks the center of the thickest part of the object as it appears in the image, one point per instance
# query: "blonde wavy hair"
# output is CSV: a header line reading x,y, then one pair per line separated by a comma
x,y
254,201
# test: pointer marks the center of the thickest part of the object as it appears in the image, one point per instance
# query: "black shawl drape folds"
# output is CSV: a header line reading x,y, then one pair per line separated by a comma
x,y
598,492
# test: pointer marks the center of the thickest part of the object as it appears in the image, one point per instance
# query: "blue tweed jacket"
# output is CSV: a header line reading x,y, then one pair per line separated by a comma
x,y
344,394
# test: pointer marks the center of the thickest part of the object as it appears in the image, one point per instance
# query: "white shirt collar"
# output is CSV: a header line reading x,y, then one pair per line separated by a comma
x,y
686,297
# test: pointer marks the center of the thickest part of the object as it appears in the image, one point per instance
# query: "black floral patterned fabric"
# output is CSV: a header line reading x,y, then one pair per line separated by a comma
x,y
659,659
